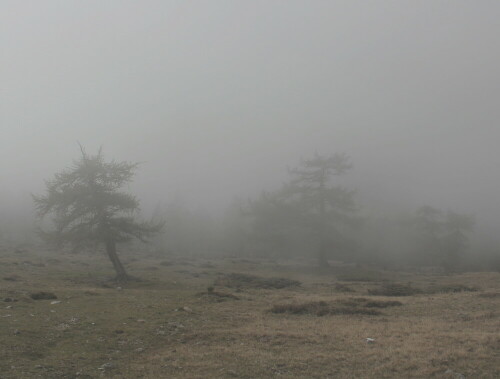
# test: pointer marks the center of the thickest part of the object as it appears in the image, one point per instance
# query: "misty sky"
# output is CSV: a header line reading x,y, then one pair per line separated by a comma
x,y
217,97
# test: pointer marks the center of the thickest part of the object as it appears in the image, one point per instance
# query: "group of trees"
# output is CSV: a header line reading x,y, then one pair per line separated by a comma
x,y
309,205
312,213
441,238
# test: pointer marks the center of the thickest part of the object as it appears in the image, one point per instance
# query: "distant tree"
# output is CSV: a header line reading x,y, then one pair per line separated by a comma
x,y
187,231
325,208
236,227
428,220
88,207
275,221
455,239
442,238
429,226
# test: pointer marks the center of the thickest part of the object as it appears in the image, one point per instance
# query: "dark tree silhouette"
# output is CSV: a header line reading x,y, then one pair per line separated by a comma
x,y
88,207
442,238
429,226
456,241
325,207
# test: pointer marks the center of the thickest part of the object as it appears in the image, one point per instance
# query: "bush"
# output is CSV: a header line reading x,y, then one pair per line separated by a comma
x,y
395,289
353,306
361,301
236,280
43,296
451,288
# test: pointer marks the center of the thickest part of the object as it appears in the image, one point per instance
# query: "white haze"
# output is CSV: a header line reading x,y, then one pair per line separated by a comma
x,y
217,98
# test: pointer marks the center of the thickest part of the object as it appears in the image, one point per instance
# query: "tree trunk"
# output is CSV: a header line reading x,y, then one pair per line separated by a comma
x,y
323,254
121,274
323,245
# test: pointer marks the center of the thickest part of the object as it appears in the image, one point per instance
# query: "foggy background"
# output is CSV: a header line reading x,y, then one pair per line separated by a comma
x,y
218,98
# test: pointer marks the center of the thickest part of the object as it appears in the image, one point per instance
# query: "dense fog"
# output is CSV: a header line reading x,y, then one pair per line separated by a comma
x,y
218,100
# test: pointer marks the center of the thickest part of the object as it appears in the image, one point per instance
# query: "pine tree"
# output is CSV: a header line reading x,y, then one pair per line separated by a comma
x,y
325,207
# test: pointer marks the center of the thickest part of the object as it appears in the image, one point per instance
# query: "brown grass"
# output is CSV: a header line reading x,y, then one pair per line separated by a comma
x,y
166,326
238,280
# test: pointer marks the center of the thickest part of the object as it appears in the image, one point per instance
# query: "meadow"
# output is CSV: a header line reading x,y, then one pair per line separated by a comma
x,y
61,316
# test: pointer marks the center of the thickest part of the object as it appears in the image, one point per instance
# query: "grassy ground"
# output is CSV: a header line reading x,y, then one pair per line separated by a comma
x,y
172,325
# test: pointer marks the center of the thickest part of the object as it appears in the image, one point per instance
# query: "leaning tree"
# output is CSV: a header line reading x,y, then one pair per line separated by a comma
x,y
88,207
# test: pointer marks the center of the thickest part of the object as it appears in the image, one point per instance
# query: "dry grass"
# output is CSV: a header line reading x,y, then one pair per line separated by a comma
x,y
170,326
238,280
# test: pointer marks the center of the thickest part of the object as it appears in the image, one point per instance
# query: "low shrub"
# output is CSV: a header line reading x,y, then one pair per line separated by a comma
x,y
451,288
236,280
489,295
43,296
354,306
395,289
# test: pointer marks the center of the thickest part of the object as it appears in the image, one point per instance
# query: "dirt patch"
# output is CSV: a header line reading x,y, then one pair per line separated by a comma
x,y
235,280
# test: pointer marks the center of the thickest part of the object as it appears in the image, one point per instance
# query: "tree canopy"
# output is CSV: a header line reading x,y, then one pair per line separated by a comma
x,y
88,206
308,204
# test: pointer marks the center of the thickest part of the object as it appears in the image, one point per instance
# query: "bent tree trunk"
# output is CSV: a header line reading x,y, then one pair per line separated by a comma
x,y
121,274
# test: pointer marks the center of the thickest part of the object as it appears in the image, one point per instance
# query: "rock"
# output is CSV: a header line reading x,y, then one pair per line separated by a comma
x,y
55,302
107,366
455,375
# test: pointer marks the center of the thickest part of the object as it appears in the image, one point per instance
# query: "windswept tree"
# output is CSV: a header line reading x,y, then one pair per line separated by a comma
x,y
326,208
88,207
